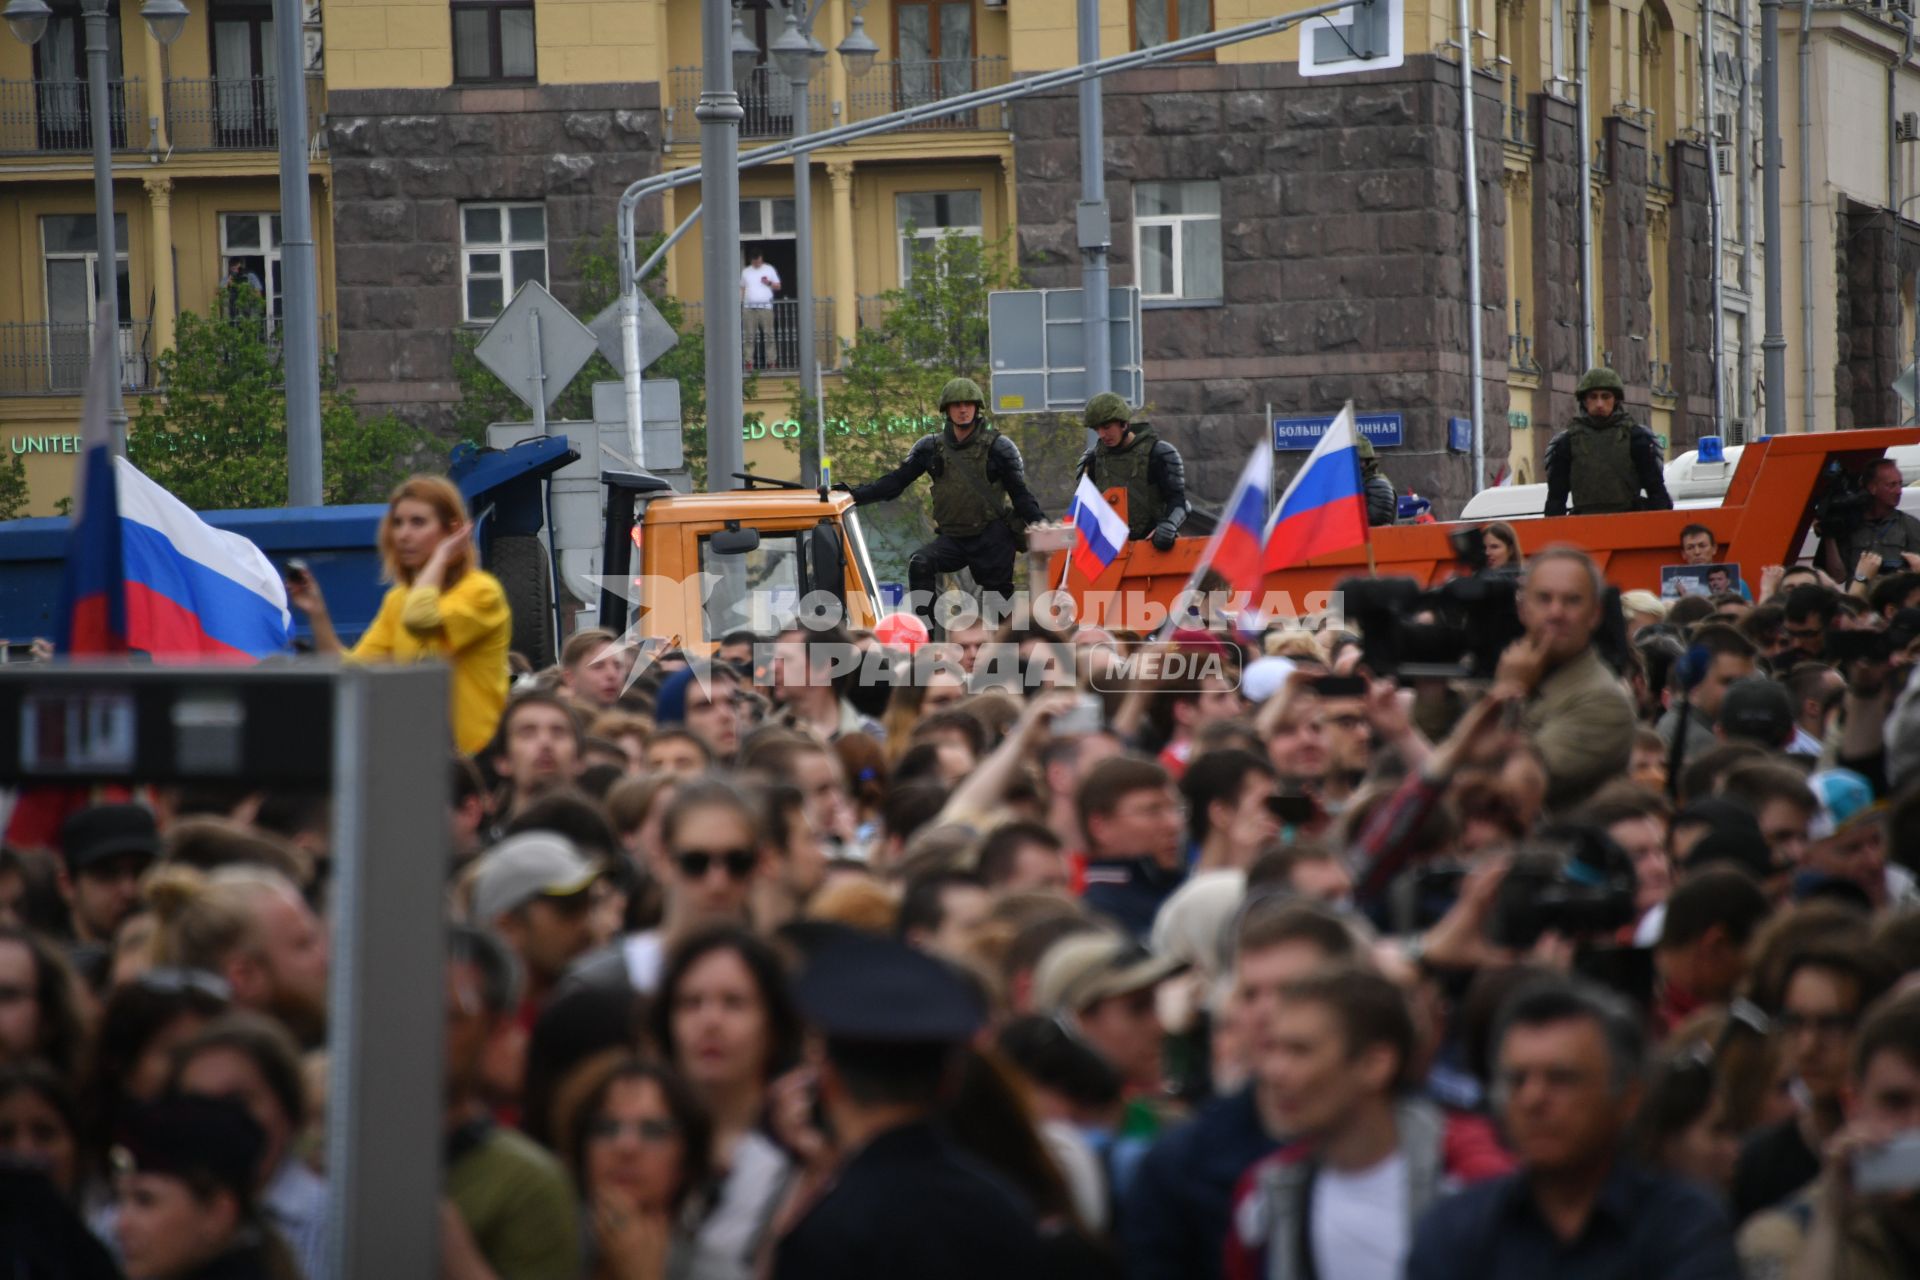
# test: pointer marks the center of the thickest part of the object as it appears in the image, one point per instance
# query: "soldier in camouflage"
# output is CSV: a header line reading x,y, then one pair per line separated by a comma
x,y
1608,462
1130,456
981,503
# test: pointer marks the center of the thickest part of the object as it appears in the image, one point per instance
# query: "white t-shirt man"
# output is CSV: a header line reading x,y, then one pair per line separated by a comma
x,y
1359,1229
758,283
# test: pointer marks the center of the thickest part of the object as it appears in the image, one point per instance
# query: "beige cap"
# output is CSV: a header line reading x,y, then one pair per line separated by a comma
x,y
1643,602
1083,969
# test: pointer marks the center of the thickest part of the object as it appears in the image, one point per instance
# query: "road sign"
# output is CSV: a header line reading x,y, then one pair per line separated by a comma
x,y
1363,37
1904,386
535,336
656,335
1386,430
1460,435
1039,355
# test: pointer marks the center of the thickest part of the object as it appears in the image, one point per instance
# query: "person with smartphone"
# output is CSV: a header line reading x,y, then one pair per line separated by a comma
x,y
1861,1219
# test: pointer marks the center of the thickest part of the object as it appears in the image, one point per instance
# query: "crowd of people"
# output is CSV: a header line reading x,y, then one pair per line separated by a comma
x,y
1031,963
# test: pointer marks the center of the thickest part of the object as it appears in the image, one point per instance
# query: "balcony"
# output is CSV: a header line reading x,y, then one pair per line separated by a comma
x,y
784,357
235,115
39,117
886,88
47,359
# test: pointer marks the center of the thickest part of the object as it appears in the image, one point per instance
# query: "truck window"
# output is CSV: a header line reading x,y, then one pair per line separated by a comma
x,y
764,582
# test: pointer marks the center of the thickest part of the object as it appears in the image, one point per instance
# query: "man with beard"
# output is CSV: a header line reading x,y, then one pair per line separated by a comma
x,y
249,925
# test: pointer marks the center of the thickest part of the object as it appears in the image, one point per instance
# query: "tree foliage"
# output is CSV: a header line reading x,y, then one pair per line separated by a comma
x,y
932,329
13,487
216,435
485,400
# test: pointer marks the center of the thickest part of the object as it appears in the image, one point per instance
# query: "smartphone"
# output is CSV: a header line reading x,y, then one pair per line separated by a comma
x,y
1086,715
1890,1168
1340,686
297,568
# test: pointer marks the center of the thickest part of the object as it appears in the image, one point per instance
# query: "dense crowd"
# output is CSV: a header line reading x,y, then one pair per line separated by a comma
x,y
1038,961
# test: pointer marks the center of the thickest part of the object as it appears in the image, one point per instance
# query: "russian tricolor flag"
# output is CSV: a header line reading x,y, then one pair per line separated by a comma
x,y
1324,509
1234,549
145,574
1098,530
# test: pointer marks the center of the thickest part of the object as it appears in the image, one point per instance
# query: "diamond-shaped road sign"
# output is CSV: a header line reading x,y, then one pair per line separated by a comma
x,y
1907,385
508,346
656,335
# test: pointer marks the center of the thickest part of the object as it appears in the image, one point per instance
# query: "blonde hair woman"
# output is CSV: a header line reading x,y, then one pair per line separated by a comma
x,y
442,605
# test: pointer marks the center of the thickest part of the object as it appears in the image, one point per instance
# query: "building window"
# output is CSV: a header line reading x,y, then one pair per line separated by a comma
x,y
502,246
1176,240
924,217
1157,22
253,241
492,40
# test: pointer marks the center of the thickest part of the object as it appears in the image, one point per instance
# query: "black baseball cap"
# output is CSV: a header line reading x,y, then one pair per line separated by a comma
x,y
105,831
1758,709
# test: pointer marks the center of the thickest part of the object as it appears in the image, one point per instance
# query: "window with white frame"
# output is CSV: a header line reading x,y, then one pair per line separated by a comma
x,y
502,246
1176,240
253,241
924,217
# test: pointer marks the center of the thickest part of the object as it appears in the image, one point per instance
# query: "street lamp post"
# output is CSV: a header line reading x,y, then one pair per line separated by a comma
x,y
165,18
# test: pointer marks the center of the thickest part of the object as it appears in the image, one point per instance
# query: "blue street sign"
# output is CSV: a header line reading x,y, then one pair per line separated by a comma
x,y
1460,435
1385,430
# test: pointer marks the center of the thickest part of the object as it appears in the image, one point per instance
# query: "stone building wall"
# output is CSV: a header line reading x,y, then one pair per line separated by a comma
x,y
1690,249
404,160
1626,288
1556,267
1342,218
1875,257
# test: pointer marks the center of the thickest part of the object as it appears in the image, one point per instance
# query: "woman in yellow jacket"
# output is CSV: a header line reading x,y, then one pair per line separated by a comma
x,y
442,605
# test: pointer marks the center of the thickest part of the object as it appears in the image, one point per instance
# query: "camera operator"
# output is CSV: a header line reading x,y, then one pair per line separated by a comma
x,y
1575,709
1882,528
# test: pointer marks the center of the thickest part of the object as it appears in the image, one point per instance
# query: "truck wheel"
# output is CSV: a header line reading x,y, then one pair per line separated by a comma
x,y
520,562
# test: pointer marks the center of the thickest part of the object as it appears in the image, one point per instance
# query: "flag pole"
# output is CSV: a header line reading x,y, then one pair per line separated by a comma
x,y
1066,561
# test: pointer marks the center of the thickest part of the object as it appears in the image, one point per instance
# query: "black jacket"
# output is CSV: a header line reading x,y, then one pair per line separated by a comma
x,y
1648,468
1004,467
909,1206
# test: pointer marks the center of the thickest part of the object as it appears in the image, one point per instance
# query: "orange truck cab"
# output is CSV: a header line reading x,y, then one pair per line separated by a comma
x,y
1764,520
701,565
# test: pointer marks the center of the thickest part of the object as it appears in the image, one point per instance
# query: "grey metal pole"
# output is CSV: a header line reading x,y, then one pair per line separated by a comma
x,y
1095,222
1773,347
808,367
720,114
1808,419
632,358
1716,222
107,269
1470,177
1582,19
300,291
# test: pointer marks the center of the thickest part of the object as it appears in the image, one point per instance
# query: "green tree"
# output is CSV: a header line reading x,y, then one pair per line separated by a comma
x,y
485,400
889,392
13,487
216,436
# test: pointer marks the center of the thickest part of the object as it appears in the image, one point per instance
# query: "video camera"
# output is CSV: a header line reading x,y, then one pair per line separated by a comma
x,y
1842,503
1456,630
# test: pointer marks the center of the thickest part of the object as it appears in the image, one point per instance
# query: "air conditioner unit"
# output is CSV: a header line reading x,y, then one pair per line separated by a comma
x,y
1723,160
1907,127
1722,125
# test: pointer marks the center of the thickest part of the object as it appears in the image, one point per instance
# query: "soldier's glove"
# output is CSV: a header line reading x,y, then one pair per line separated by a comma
x,y
1163,536
842,486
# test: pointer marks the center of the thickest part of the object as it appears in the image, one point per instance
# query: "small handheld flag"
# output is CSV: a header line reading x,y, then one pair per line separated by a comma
x,y
1234,549
1098,530
1324,508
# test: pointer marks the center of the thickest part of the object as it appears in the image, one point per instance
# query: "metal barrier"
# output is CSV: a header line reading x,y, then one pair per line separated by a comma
x,y
48,359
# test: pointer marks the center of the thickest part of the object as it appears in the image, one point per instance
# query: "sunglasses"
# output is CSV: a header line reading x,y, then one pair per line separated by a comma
x,y
171,981
654,1129
694,864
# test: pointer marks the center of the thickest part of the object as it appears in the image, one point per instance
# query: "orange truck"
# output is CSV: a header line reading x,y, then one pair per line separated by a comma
x,y
1764,520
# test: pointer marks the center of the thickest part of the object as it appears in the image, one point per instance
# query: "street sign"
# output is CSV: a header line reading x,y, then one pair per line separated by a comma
x,y
656,335
535,336
1386,430
1038,351
1460,435
1370,36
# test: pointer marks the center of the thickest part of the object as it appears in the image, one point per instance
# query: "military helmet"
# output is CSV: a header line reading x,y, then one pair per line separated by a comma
x,y
961,391
1601,378
1364,447
1108,406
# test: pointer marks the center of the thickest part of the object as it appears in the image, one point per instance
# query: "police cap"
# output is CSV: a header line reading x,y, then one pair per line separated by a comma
x,y
861,987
